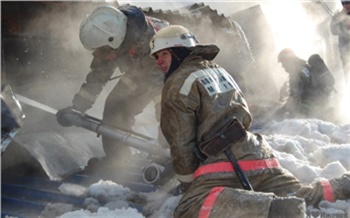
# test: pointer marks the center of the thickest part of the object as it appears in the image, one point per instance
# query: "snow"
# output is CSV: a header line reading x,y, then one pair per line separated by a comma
x,y
105,212
310,149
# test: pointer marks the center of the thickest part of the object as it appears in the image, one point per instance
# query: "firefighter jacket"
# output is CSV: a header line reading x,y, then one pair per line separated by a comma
x,y
198,99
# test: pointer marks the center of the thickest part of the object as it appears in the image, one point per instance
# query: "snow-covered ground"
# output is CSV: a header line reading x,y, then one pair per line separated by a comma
x,y
310,149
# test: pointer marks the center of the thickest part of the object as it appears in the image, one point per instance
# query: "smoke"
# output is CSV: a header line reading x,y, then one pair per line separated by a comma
x,y
302,26
52,57
58,22
64,62
52,63
49,55
43,60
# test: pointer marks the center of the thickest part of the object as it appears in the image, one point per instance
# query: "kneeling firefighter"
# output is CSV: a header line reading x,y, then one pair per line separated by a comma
x,y
223,169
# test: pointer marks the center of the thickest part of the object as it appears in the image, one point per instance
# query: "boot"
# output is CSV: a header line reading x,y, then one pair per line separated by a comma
x,y
291,207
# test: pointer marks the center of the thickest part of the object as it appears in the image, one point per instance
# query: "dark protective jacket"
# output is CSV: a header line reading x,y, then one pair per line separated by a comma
x,y
198,99
320,83
311,84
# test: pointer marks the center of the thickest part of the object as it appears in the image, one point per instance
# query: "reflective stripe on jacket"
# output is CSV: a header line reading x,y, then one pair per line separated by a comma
x,y
246,165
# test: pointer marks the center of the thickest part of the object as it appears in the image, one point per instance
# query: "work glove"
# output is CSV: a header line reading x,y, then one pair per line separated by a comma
x,y
180,189
314,195
336,189
62,118
81,104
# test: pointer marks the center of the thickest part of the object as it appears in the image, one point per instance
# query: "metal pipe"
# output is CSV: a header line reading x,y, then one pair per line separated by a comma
x,y
137,141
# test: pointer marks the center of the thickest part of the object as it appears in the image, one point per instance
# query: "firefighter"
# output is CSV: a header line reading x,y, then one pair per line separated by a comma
x,y
199,98
309,86
340,26
205,119
118,38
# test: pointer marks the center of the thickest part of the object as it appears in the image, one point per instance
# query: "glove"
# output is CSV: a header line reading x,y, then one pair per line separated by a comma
x,y
313,196
62,118
81,104
180,189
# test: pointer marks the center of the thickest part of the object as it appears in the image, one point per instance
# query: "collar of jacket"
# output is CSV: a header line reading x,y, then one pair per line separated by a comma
x,y
206,52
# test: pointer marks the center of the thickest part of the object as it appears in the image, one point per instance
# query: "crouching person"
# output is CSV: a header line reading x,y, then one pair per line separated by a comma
x,y
224,170
205,119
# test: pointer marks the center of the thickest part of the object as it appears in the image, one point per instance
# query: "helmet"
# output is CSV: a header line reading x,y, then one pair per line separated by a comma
x,y
106,25
172,36
285,54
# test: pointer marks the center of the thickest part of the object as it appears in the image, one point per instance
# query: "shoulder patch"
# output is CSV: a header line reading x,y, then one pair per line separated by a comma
x,y
215,80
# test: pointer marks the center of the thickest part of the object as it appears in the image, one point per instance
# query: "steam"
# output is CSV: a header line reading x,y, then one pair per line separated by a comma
x,y
54,63
302,26
344,106
60,22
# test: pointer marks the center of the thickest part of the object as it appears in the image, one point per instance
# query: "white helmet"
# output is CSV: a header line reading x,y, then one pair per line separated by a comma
x,y
106,25
172,36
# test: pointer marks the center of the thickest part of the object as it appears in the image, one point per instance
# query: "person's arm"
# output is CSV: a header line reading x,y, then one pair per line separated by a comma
x,y
102,68
178,123
330,190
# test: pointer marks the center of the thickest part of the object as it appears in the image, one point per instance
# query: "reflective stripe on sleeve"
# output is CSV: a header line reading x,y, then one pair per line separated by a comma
x,y
209,202
327,191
